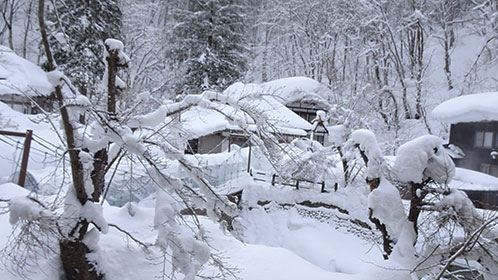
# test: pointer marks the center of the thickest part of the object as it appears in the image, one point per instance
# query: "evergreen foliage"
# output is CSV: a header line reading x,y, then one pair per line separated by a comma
x,y
78,33
208,45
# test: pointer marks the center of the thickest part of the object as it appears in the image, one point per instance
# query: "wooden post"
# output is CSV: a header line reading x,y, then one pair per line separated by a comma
x,y
323,187
249,158
25,157
112,91
273,179
297,184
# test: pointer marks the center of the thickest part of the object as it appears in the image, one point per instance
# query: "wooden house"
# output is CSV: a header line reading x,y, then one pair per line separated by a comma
x,y
209,131
473,138
302,95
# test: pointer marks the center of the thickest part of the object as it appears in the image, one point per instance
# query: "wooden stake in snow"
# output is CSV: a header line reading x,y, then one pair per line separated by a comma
x,y
25,154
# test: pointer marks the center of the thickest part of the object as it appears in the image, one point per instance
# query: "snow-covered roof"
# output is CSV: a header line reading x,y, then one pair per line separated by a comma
x,y
20,75
466,179
286,90
199,121
468,108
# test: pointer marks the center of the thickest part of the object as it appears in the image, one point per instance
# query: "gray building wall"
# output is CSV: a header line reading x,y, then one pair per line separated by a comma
x,y
210,144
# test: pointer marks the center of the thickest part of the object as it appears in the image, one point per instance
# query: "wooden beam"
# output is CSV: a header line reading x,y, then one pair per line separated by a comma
x,y
13,133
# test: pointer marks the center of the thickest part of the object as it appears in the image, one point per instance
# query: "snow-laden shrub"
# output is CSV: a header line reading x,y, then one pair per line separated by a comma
x,y
424,158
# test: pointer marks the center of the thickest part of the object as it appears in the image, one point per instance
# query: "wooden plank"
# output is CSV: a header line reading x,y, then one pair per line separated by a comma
x,y
13,133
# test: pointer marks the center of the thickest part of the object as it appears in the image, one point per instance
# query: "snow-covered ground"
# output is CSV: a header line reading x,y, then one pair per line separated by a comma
x,y
281,244
271,242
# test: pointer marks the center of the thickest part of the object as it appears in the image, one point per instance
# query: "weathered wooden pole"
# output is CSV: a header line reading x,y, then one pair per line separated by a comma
x,y
25,157
28,136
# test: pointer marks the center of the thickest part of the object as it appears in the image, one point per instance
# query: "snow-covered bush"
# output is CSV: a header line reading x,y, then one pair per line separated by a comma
x,y
308,160
424,158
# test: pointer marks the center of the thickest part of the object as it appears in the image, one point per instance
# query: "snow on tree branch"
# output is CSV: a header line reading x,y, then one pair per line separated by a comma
x,y
424,158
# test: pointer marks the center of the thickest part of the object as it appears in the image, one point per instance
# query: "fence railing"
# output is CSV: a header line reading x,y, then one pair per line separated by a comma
x,y
275,179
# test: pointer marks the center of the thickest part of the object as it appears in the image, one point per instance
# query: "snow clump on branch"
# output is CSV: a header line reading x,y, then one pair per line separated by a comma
x,y
424,158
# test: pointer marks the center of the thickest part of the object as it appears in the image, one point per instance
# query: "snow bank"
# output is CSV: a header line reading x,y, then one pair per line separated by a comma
x,y
421,158
468,108
11,190
20,75
324,244
352,199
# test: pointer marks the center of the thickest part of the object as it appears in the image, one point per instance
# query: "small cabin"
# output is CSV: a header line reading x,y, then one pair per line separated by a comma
x,y
209,131
473,138
22,84
302,95
478,142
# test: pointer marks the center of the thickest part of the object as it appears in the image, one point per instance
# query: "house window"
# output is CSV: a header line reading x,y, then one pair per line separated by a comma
x,y
483,139
319,138
192,146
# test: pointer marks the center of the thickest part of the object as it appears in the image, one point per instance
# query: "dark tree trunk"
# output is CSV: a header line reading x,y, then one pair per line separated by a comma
x,y
75,263
98,173
374,183
73,252
417,195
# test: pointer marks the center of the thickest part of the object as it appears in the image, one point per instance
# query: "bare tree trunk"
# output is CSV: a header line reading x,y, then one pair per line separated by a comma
x,y
374,183
345,165
447,58
331,69
72,249
417,196
7,10
398,62
345,57
100,157
264,63
26,29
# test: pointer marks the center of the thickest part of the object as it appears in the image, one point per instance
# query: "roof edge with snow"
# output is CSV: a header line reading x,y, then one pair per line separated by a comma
x,y
477,107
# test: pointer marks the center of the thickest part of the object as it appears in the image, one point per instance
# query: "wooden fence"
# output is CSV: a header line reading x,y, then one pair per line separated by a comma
x,y
275,179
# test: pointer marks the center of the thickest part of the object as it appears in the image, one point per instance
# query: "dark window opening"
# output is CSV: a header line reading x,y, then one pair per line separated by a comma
x,y
319,138
192,146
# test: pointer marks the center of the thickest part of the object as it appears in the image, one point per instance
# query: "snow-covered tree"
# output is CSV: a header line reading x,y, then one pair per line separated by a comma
x,y
208,45
145,44
96,145
77,33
